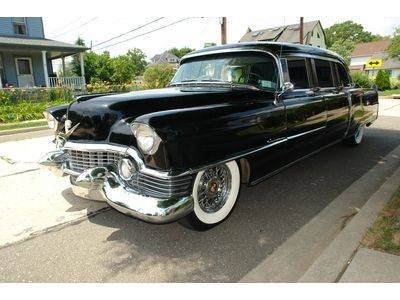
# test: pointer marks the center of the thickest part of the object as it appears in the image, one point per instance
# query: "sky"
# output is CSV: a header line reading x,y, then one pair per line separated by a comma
x,y
97,21
190,32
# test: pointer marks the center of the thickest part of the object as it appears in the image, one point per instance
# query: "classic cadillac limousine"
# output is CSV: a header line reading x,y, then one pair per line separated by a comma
x,y
233,114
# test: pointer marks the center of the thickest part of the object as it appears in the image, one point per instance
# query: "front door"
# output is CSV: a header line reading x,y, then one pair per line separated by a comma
x,y
24,72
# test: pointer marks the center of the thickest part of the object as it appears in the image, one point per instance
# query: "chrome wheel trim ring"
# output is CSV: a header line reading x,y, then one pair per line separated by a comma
x,y
214,188
359,134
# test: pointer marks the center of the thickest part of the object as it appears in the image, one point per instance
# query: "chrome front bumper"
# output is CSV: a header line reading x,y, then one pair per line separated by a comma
x,y
103,184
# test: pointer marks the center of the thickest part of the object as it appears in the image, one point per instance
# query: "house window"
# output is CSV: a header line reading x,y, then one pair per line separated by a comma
x,y
19,25
318,36
24,66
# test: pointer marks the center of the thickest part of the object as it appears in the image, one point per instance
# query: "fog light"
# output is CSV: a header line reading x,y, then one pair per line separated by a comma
x,y
126,168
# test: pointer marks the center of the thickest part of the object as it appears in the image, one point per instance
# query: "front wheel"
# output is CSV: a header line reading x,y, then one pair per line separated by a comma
x,y
215,191
356,138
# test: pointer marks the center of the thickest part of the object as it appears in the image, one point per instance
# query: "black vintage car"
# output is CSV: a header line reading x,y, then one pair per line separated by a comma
x,y
232,114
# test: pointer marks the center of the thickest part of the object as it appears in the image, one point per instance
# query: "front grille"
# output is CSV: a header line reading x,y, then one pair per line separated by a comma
x,y
148,185
81,160
160,188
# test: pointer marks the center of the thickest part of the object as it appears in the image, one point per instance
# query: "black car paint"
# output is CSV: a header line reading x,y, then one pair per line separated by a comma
x,y
204,125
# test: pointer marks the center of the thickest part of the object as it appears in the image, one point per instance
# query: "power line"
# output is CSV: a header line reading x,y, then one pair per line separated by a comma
x,y
75,28
137,28
148,32
65,26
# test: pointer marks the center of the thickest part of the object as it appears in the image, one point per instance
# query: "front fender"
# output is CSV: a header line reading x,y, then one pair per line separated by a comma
x,y
203,135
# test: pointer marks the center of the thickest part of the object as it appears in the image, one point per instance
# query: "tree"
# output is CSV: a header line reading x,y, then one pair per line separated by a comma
x,y
123,70
382,80
158,76
348,31
180,52
344,49
137,59
394,48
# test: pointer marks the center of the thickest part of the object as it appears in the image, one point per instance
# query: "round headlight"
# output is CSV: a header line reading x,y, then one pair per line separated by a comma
x,y
126,168
147,139
51,121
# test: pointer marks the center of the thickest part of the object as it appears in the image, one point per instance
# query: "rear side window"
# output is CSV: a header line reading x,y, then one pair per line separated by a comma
x,y
298,73
324,73
343,76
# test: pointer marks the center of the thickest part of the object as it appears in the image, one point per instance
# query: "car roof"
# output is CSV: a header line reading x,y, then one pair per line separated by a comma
x,y
279,49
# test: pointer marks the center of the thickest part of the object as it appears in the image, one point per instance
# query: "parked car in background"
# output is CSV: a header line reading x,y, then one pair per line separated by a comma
x,y
233,114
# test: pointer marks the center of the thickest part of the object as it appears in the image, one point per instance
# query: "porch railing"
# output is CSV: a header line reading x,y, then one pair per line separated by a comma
x,y
76,83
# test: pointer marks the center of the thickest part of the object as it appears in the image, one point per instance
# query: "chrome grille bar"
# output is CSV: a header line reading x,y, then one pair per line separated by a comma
x,y
144,184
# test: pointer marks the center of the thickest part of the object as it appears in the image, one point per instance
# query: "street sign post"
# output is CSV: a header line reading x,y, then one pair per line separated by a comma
x,y
374,63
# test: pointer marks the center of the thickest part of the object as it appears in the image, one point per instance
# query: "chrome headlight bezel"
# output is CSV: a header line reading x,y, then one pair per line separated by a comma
x,y
147,139
51,121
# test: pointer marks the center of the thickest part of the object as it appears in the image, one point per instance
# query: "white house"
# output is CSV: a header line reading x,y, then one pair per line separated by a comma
x,y
370,51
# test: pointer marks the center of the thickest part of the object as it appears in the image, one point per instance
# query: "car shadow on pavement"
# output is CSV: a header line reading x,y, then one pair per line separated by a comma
x,y
79,204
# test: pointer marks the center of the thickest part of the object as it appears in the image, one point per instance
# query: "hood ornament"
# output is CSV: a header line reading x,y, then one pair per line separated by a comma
x,y
62,138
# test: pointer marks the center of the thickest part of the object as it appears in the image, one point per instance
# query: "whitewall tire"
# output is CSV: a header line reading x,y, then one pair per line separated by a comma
x,y
215,191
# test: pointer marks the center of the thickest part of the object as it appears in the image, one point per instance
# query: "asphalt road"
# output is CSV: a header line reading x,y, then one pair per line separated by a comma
x,y
111,247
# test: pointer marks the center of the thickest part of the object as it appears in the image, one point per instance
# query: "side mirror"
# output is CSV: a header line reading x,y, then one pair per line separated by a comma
x,y
374,87
288,86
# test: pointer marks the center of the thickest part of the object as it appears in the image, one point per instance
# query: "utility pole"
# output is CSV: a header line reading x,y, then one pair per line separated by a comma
x,y
301,30
223,30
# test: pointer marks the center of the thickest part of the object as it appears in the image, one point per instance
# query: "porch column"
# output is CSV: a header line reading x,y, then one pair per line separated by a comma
x,y
82,67
63,65
1,84
45,71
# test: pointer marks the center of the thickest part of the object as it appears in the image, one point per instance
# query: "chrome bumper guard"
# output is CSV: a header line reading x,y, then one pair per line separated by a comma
x,y
108,186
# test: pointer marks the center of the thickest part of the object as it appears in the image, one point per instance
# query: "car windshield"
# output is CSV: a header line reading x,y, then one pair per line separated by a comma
x,y
258,70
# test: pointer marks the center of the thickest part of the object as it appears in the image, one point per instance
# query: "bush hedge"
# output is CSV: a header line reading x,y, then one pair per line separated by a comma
x,y
382,80
361,79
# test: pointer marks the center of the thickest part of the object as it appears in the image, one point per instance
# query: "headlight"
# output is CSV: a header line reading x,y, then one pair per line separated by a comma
x,y
51,121
147,139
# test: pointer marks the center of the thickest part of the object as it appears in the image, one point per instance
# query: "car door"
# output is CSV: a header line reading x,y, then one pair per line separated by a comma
x,y
305,110
331,88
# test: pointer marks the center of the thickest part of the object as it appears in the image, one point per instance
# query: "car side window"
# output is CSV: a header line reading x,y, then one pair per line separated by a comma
x,y
343,77
324,73
298,73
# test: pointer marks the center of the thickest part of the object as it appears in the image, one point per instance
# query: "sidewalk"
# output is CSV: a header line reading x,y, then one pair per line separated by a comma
x,y
345,261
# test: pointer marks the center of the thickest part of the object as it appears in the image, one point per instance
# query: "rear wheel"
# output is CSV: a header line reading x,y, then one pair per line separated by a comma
x,y
215,192
356,138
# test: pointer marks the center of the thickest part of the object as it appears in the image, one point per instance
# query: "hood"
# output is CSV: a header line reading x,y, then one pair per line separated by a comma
x,y
107,118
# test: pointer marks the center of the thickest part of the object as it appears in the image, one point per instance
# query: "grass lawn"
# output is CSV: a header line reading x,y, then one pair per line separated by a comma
x,y
384,235
389,92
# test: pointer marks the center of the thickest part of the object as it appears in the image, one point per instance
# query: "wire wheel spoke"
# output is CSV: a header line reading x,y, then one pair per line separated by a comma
x,y
214,188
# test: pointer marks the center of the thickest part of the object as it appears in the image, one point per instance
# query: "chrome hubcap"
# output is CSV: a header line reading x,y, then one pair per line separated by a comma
x,y
214,187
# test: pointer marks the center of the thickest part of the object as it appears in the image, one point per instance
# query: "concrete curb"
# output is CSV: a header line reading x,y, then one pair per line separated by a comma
x,y
332,263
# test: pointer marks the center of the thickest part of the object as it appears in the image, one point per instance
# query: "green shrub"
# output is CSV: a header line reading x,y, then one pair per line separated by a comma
x,y
105,87
382,80
158,76
361,79
25,110
395,83
28,104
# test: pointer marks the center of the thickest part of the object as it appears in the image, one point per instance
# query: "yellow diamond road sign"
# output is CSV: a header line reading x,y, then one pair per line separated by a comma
x,y
374,63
